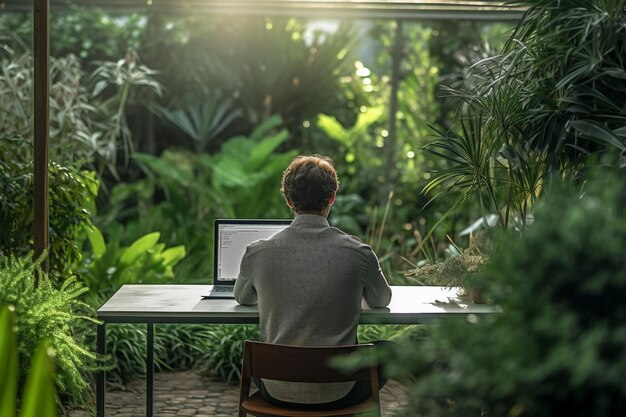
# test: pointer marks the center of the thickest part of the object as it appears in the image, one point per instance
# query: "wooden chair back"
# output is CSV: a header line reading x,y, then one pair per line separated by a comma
x,y
305,364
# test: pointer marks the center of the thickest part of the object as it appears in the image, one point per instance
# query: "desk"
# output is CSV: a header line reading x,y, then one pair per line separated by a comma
x,y
152,304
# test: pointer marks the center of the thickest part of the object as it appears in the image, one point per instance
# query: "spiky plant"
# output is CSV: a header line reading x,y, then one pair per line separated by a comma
x,y
553,97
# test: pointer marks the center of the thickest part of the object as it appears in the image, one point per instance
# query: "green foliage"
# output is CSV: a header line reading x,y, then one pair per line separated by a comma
x,y
216,349
39,397
502,179
203,122
225,349
111,266
556,348
267,65
241,181
8,357
133,83
74,137
565,63
175,347
84,131
71,199
145,260
87,32
370,333
39,393
47,312
554,96
361,154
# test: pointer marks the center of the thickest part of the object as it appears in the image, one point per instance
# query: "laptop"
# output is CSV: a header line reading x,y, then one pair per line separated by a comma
x,y
230,240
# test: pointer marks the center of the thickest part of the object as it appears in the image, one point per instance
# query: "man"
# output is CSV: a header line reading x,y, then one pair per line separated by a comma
x,y
309,280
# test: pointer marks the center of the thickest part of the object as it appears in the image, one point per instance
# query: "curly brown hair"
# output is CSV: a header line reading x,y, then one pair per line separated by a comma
x,y
309,182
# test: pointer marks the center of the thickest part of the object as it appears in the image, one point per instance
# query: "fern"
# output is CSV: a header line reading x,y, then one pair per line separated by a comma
x,y
46,312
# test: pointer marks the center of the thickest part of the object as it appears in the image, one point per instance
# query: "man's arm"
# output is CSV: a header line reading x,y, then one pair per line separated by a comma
x,y
376,291
244,291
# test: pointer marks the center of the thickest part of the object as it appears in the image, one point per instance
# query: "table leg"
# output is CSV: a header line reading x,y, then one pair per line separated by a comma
x,y
150,371
101,374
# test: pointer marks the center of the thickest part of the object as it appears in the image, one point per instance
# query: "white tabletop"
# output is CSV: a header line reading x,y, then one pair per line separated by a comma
x,y
183,304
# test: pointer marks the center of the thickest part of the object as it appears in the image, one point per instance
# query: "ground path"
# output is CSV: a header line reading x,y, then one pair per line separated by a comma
x,y
190,393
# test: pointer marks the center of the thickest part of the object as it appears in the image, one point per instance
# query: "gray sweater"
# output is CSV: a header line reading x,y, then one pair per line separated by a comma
x,y
308,281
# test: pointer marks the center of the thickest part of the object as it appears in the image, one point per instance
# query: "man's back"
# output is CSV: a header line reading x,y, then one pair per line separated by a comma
x,y
309,281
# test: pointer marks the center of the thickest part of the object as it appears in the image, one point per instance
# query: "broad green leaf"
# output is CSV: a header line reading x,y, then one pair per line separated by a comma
x,y
123,191
266,126
597,132
366,119
237,148
173,255
158,248
139,247
39,399
229,172
264,149
333,128
206,160
8,362
95,239
164,169
620,132
92,182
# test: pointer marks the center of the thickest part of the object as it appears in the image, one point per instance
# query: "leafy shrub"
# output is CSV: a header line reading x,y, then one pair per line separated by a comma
x,y
87,122
557,346
105,270
71,198
111,266
192,190
47,312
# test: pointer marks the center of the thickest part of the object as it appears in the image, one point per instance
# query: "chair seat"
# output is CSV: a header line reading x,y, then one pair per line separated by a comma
x,y
256,405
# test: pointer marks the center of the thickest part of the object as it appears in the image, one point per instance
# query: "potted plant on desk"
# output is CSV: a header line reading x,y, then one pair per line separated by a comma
x,y
456,270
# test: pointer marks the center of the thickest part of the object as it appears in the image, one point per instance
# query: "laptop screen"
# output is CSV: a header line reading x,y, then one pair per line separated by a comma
x,y
231,239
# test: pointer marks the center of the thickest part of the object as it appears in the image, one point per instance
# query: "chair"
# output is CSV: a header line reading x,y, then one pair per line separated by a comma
x,y
301,364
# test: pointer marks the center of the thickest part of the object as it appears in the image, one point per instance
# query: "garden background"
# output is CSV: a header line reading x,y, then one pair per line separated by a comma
x,y
161,124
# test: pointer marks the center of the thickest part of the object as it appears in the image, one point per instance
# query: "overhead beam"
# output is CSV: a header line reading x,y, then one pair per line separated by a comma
x,y
353,9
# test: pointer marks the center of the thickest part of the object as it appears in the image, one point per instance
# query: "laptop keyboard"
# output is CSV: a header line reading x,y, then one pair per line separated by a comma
x,y
222,288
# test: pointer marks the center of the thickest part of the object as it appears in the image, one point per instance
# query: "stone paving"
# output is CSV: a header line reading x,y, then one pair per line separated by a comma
x,y
190,393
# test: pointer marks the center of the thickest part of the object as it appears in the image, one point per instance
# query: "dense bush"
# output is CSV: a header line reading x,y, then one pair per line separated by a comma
x,y
71,198
109,266
557,346
47,312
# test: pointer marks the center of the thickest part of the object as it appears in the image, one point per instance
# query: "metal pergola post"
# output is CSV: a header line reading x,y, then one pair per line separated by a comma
x,y
41,131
